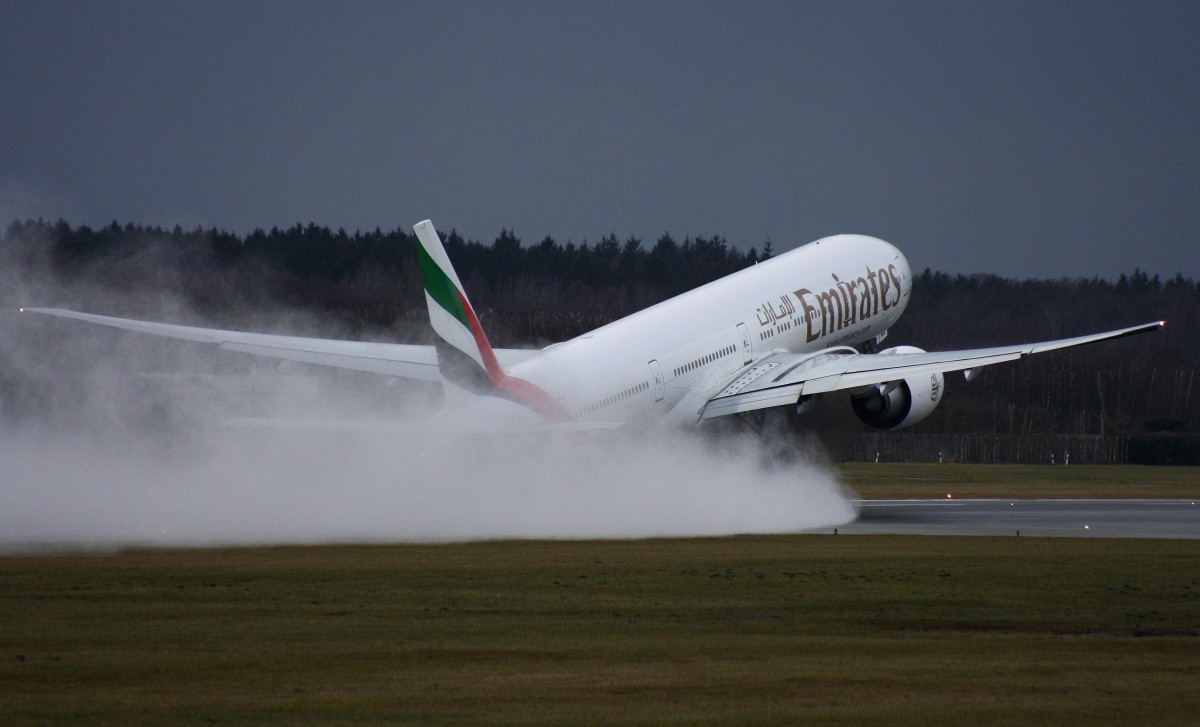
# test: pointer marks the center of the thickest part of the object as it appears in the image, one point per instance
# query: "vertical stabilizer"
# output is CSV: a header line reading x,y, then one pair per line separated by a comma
x,y
464,355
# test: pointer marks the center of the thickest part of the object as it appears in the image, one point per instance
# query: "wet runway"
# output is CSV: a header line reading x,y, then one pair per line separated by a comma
x,y
1058,518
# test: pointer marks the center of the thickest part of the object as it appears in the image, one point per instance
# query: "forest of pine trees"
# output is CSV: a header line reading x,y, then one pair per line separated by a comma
x,y
1135,399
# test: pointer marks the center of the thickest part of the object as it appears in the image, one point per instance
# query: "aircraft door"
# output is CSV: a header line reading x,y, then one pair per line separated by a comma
x,y
660,384
747,346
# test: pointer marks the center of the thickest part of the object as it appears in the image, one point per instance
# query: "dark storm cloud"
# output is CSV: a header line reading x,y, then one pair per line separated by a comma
x,y
1026,139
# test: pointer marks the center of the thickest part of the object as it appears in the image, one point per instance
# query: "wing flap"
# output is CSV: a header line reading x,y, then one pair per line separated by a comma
x,y
420,428
408,362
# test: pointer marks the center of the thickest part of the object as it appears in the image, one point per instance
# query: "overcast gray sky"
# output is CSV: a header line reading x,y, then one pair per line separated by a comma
x,y
1039,139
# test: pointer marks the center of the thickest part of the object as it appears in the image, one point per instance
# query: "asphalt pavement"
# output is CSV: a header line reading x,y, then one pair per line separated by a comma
x,y
1057,518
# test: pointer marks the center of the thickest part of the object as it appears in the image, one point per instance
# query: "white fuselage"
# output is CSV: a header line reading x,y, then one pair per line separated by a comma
x,y
838,291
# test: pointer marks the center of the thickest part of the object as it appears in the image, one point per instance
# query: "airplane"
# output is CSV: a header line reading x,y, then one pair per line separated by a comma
x,y
763,344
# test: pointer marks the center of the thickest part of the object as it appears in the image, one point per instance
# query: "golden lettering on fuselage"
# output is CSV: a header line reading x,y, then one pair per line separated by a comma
x,y
848,302
769,314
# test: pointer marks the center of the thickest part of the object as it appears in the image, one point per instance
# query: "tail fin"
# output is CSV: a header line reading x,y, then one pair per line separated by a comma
x,y
465,357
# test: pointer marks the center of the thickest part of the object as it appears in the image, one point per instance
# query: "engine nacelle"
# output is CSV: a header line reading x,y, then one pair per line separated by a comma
x,y
897,404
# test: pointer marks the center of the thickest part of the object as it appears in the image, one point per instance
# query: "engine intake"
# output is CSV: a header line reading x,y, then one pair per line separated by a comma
x,y
900,403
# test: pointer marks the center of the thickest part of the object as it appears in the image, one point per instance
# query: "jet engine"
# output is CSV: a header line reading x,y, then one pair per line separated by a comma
x,y
901,403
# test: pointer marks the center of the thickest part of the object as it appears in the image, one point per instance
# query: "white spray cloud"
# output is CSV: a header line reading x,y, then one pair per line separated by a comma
x,y
96,453
362,487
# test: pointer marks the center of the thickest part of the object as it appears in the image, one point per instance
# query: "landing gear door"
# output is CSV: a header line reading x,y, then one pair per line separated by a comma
x,y
660,384
747,347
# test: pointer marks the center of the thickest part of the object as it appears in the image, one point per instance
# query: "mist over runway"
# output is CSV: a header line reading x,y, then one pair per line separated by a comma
x,y
112,438
266,488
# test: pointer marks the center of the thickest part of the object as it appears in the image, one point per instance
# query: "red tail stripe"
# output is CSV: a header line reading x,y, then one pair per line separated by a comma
x,y
524,393
494,372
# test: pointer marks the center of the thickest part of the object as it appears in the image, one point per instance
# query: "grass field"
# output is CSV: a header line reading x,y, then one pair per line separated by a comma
x,y
892,480
748,630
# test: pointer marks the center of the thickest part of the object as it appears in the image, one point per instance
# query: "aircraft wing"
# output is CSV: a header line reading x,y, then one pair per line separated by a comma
x,y
391,359
779,379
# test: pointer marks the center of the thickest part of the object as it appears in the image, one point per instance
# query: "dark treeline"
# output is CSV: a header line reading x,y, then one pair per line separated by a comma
x,y
369,280
366,284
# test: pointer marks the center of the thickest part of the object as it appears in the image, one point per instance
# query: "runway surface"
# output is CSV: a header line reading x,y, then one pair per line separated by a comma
x,y
1058,518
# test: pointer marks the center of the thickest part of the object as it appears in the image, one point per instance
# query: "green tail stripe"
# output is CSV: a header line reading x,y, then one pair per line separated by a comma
x,y
439,286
